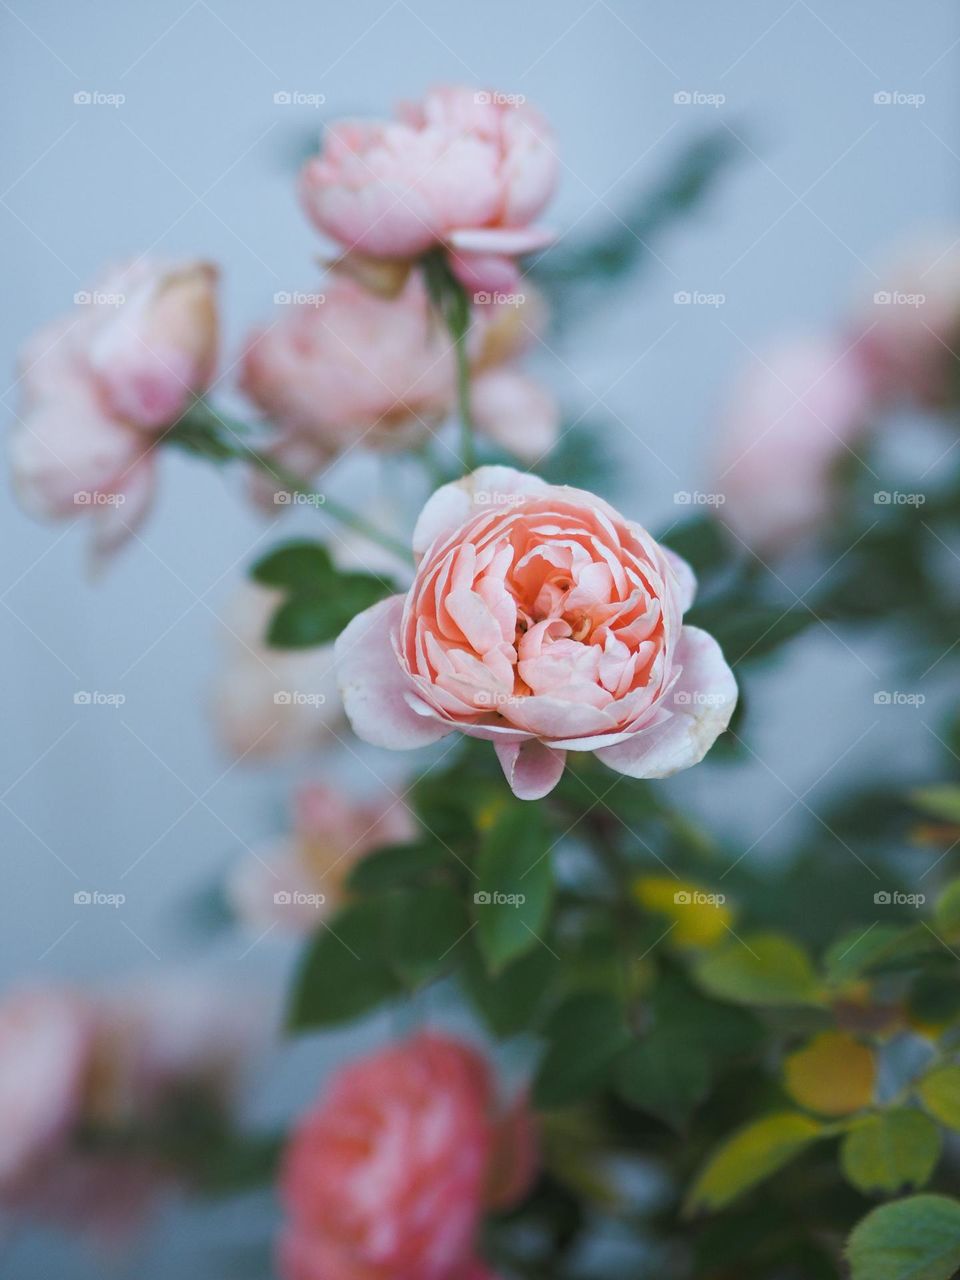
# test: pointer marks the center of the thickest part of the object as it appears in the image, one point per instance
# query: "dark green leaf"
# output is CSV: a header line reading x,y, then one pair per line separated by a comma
x,y
914,1239
512,1000
514,886
584,1037
300,566
397,865
345,971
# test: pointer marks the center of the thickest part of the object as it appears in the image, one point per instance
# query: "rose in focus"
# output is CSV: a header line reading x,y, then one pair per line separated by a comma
x,y
464,170
542,620
100,384
388,1177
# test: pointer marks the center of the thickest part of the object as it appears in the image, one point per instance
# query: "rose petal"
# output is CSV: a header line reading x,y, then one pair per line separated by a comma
x,y
373,684
701,704
531,769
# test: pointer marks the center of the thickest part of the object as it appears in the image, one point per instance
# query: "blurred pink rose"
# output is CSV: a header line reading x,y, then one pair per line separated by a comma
x,y
300,879
44,1042
543,620
98,384
269,702
790,422
387,1178
360,369
468,170
910,339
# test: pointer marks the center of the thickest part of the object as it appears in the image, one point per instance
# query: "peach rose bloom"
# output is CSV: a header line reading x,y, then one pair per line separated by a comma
x,y
467,170
270,702
300,879
97,386
388,1177
911,329
44,1041
790,422
541,619
361,369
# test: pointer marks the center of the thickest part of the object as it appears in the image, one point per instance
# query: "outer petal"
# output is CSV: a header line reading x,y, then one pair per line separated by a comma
x,y
531,769
685,576
505,240
516,412
701,703
373,684
453,504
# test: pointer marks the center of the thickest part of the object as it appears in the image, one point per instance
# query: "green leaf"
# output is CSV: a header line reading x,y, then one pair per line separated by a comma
x,y
397,865
344,972
942,801
298,566
863,950
751,1155
750,633
947,911
762,969
890,1150
702,541
584,1037
425,927
304,621
512,1000
940,1094
514,886
914,1239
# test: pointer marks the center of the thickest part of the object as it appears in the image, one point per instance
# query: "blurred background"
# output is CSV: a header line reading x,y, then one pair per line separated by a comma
x,y
195,155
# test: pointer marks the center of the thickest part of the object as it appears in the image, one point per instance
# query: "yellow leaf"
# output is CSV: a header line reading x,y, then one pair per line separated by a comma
x,y
700,917
834,1074
940,1094
752,1154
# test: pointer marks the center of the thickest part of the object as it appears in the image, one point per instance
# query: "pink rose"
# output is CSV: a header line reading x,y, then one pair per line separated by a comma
x,y
470,171
911,328
387,1178
270,702
308,869
44,1042
97,385
541,619
790,422
361,369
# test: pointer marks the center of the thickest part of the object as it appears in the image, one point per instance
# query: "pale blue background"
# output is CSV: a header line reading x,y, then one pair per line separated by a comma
x,y
198,160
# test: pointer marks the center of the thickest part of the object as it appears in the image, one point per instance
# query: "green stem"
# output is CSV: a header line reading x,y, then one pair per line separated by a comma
x,y
450,298
468,453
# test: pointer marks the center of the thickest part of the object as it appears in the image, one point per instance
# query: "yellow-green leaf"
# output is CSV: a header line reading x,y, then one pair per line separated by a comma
x,y
891,1150
750,1155
834,1074
760,969
940,1094
942,801
700,917
947,911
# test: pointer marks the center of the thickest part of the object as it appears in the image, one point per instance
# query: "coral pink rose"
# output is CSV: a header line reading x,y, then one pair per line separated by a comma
x,y
911,328
789,424
387,1178
361,369
543,620
470,171
44,1042
300,879
96,387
